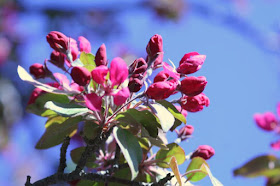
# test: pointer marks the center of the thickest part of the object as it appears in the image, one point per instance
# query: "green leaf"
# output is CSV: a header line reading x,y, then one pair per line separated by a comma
x,y
165,117
144,118
38,107
56,133
172,109
174,168
88,60
66,110
91,129
55,120
164,156
195,170
130,148
76,156
89,183
214,180
267,165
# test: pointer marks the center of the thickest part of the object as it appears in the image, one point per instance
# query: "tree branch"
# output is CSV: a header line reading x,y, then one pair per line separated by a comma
x,y
63,150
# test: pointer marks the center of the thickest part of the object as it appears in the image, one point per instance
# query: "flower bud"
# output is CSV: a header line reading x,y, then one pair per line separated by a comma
x,y
139,66
204,151
80,75
195,103
161,90
58,41
161,76
84,44
190,63
38,70
192,86
57,58
266,121
275,145
185,132
155,45
135,84
101,56
74,49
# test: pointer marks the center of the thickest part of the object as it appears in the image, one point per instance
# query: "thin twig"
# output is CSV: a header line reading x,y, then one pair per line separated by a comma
x,y
63,150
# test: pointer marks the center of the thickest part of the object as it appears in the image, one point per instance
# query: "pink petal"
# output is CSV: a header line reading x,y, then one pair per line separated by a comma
x,y
121,96
84,44
93,101
62,79
118,71
99,74
170,71
275,145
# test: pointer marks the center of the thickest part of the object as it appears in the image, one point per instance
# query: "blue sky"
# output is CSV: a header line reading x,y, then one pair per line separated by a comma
x,y
242,79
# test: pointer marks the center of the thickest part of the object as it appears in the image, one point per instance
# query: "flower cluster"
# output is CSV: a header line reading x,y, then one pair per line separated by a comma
x,y
269,122
106,99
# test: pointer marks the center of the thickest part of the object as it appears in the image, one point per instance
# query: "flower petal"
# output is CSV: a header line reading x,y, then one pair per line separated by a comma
x,y
93,101
121,96
99,74
118,71
170,71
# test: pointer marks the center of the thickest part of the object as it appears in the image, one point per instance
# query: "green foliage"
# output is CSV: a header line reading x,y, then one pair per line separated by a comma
x,y
195,171
57,131
66,110
76,155
130,148
88,60
164,156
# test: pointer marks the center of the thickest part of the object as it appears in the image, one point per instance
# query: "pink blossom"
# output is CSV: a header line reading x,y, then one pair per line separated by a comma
x,y
118,71
191,62
170,71
101,56
99,74
121,96
275,145
58,41
63,80
84,44
204,151
154,47
38,70
183,111
57,58
192,86
161,76
266,121
74,49
195,103
185,132
93,101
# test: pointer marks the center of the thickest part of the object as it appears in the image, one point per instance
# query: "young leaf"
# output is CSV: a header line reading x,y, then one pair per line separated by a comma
x,y
144,118
172,109
66,110
214,180
25,76
130,148
195,170
174,168
88,60
76,155
164,156
165,117
267,165
56,133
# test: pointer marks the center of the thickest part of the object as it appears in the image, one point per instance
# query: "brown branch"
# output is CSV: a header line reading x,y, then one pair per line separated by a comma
x,y
63,150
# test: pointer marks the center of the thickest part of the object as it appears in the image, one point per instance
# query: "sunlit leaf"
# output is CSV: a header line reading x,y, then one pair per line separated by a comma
x,y
56,133
174,168
214,180
172,109
164,156
267,165
195,170
130,148
88,60
76,156
144,118
55,120
165,117
66,110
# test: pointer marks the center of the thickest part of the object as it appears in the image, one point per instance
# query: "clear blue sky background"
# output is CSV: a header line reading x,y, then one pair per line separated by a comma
x,y
242,79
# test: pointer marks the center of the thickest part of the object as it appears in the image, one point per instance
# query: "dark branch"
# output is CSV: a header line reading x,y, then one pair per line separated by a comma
x,y
163,181
63,150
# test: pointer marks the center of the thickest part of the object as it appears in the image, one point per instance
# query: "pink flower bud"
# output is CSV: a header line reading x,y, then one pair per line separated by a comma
x,y
101,56
58,41
57,58
195,103
84,44
74,49
80,75
192,86
161,76
139,66
185,132
266,121
155,45
135,84
38,70
191,63
275,145
204,151
161,90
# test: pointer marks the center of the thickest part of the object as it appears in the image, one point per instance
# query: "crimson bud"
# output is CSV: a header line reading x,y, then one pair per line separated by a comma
x,y
80,75
204,151
38,70
192,86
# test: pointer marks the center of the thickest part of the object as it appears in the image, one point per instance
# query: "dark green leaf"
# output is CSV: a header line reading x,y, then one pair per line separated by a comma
x,y
164,156
76,156
144,118
130,148
56,133
195,170
66,110
267,165
91,129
